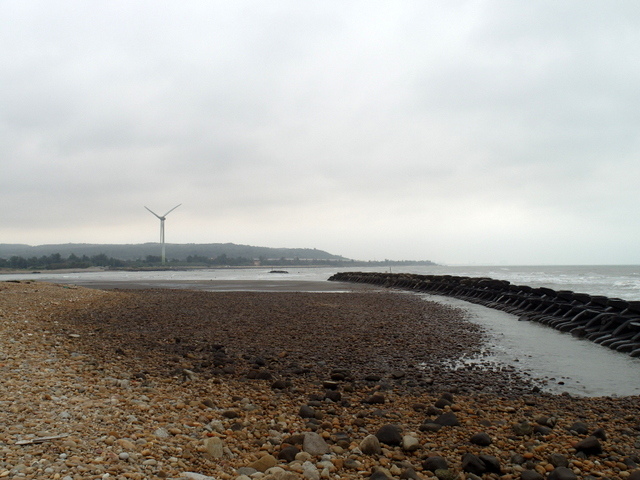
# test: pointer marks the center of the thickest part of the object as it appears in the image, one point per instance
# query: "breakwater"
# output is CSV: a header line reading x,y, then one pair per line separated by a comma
x,y
611,322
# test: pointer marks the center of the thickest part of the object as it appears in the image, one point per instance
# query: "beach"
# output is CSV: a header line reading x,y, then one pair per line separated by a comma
x,y
157,383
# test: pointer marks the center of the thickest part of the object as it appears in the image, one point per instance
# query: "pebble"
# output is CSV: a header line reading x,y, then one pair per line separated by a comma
x,y
160,426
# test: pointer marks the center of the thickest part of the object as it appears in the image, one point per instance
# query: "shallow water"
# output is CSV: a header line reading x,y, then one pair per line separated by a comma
x,y
565,363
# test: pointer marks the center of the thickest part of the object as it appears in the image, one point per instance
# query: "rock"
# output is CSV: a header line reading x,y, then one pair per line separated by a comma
x,y
579,428
491,463
374,399
390,434
310,471
410,443
522,429
214,446
264,463
447,419
441,403
430,427
600,434
558,460
196,476
379,475
435,463
314,444
590,446
473,464
307,412
531,475
542,430
247,471
370,445
562,473
483,439
288,453
445,474
635,475
409,473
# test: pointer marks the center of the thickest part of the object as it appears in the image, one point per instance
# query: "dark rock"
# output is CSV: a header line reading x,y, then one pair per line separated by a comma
x,y
531,475
447,396
590,446
374,399
517,459
330,385
600,434
441,403
447,419
473,464
288,453
280,384
523,428
635,475
372,378
230,414
562,473
379,475
397,374
430,427
409,474
435,463
483,439
307,412
333,395
432,410
390,434
492,464
546,421
558,460
542,430
580,428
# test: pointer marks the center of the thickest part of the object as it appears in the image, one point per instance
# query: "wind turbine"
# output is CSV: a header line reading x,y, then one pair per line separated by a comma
x,y
162,219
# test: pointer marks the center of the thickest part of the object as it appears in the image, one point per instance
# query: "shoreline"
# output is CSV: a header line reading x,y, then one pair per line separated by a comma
x,y
105,369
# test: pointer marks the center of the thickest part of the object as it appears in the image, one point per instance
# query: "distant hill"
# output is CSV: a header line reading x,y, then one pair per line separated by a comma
x,y
174,251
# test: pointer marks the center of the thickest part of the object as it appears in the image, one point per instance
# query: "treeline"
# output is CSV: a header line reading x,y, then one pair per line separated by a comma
x,y
56,261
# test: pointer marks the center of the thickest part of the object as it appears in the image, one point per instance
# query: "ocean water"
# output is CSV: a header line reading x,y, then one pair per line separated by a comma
x,y
558,361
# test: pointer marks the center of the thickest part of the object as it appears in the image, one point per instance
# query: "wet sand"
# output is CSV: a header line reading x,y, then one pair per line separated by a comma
x,y
173,383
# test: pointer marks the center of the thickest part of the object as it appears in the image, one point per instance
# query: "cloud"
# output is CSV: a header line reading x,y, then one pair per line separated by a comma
x,y
457,131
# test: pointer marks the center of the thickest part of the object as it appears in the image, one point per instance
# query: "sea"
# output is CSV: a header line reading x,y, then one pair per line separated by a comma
x,y
557,362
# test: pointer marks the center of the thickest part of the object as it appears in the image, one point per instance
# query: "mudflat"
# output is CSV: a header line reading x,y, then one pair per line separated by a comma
x,y
164,383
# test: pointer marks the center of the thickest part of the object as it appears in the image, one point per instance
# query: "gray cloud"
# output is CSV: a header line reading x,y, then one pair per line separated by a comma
x,y
456,131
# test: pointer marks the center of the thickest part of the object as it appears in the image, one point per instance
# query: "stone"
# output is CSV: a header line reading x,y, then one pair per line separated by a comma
x,y
376,399
307,412
430,427
314,444
635,475
579,428
491,463
434,463
562,473
410,443
310,471
558,460
483,439
288,453
370,445
390,434
472,464
264,463
214,447
447,419
379,475
531,475
590,446
445,474
522,429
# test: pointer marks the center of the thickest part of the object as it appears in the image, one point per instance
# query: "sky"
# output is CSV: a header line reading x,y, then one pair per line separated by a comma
x,y
462,132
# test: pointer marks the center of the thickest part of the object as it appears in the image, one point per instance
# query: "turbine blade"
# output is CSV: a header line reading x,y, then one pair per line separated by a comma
x,y
154,213
172,210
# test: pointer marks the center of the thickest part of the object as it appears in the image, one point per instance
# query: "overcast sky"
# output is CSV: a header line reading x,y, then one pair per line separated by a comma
x,y
463,132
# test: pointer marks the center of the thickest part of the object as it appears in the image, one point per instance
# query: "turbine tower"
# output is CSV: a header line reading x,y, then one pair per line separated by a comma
x,y
162,219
